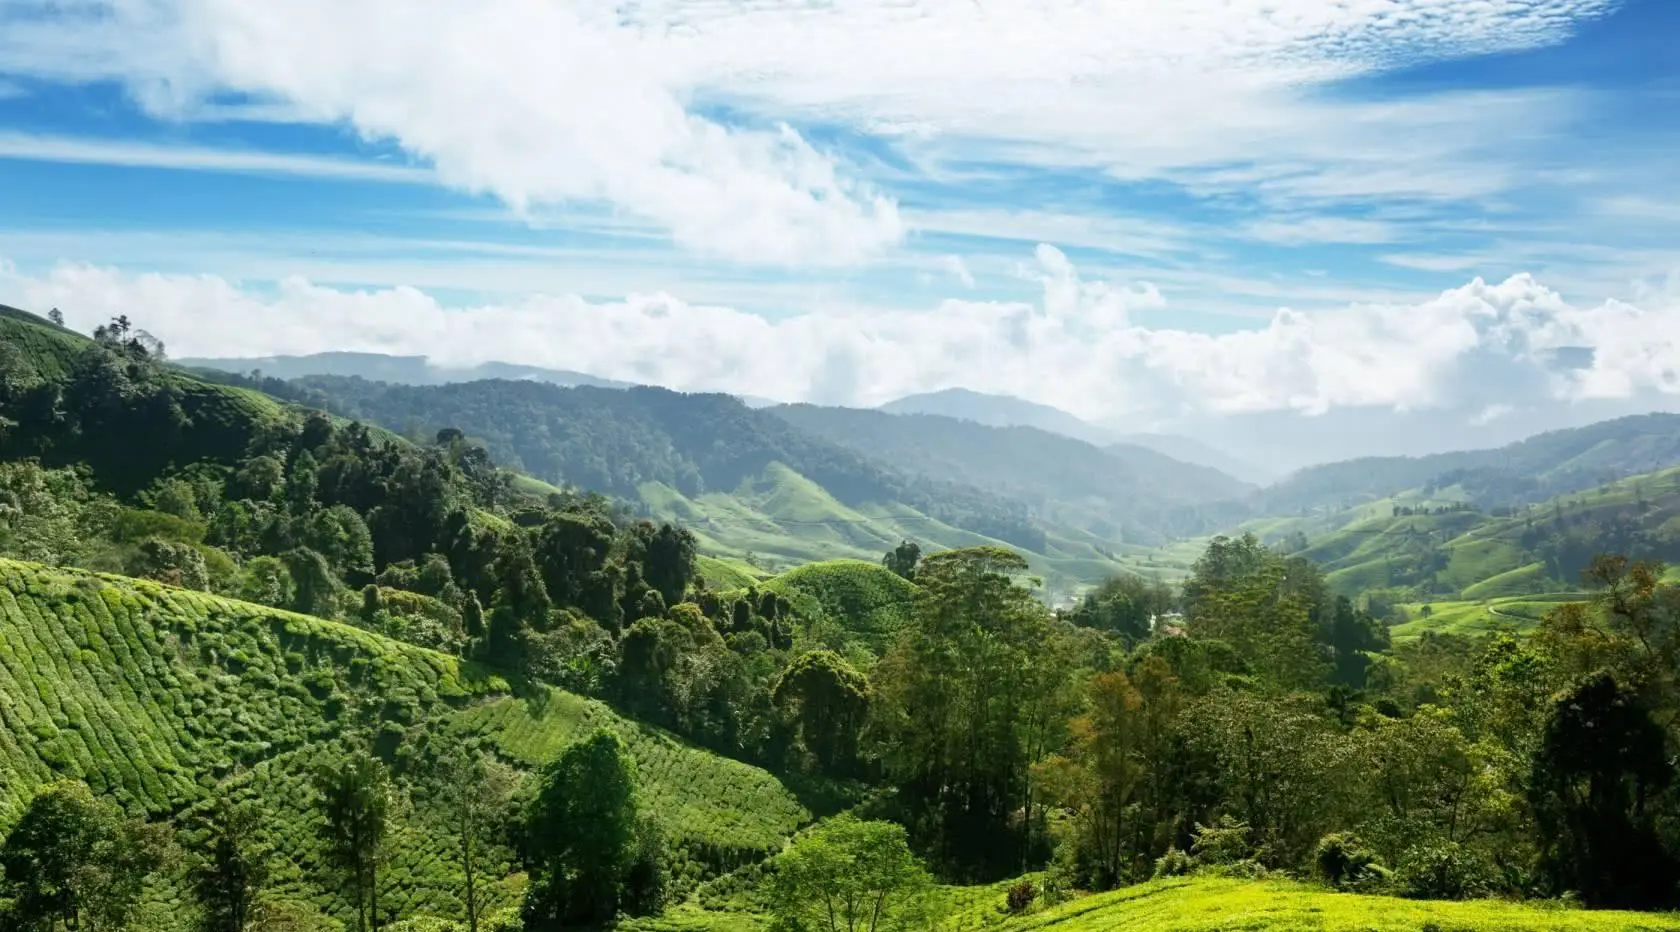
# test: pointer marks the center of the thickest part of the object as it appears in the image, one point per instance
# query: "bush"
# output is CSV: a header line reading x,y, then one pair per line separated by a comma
x,y
1343,861
1174,863
1443,871
1021,896
1224,842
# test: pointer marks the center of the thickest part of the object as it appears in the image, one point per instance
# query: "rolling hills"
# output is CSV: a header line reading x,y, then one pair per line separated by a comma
x,y
161,698
1454,551
1125,494
753,486
1524,472
381,367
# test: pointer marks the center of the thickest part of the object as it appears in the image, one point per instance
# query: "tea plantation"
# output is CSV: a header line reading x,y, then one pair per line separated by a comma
x,y
162,698
1219,904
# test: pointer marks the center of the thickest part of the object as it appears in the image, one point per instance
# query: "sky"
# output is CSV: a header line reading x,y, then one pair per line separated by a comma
x,y
1145,213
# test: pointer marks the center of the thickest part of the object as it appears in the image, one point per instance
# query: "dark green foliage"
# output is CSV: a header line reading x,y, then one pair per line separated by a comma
x,y
1443,871
579,838
232,865
827,700
1601,768
1343,860
356,799
74,859
1124,606
902,559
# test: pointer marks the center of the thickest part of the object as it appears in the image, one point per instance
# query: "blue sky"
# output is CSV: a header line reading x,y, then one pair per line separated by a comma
x,y
1102,205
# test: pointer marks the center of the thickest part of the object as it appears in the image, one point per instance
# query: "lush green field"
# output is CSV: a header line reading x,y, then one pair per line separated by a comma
x,y
866,599
725,573
163,698
781,519
702,799
1471,618
1212,904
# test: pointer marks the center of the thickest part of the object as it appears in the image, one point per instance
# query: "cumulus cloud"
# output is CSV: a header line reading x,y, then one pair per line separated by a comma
x,y
545,101
1484,346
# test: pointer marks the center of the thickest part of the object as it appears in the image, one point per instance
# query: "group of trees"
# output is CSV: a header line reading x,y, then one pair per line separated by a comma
x,y
592,850
1279,732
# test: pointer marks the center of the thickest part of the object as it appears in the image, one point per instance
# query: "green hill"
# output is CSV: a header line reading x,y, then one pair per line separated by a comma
x,y
781,519
162,697
1531,470
869,601
1216,904
1125,494
1452,552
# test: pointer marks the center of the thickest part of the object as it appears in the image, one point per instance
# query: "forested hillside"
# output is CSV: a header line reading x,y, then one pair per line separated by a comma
x,y
1430,551
328,678
1528,471
1124,494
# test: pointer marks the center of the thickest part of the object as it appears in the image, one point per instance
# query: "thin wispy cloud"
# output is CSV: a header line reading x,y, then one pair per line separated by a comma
x,y
89,151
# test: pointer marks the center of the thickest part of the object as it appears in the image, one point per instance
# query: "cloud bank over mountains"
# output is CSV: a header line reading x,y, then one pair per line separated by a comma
x,y
1483,348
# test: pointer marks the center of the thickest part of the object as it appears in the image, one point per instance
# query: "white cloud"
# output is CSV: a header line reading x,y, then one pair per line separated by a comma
x,y
545,101
958,269
199,158
1482,347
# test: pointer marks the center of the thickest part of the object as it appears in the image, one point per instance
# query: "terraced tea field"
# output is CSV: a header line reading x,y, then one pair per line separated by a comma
x,y
162,698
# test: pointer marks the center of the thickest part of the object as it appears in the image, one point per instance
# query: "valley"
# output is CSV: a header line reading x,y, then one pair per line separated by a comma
x,y
594,656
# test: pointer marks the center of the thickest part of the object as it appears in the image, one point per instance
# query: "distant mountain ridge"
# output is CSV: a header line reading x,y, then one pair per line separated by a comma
x,y
405,370
1010,411
1530,470
1126,493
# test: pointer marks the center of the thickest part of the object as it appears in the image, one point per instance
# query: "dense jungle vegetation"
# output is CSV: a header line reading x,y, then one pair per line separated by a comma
x,y
263,667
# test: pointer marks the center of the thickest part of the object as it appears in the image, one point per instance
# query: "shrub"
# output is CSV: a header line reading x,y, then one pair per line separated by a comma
x,y
1222,843
1343,860
1021,896
1443,871
1174,863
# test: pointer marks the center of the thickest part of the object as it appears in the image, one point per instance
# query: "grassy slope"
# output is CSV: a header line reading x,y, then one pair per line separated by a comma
x,y
1209,904
869,600
159,696
1485,556
783,519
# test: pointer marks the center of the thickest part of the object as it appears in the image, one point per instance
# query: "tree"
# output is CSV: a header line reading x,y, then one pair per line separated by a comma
x,y
1124,605
356,800
1601,767
56,316
968,699
73,859
233,866
579,836
903,559
828,701
849,875
476,797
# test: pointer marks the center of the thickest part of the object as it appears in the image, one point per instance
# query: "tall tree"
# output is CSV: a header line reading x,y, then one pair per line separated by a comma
x,y
903,559
74,860
849,875
828,701
233,866
580,834
357,799
964,698
477,793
